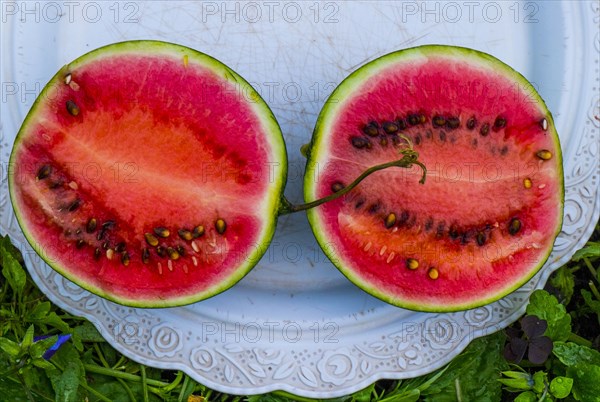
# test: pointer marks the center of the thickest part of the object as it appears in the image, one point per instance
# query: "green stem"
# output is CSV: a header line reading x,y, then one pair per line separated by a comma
x,y
409,159
101,356
579,340
144,383
594,289
186,381
591,268
120,374
127,389
174,384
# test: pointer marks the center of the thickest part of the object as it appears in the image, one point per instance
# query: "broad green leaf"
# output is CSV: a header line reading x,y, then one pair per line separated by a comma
x,y
364,395
36,381
28,338
68,383
591,250
586,382
564,280
55,321
560,387
88,333
516,383
590,301
40,311
539,381
526,396
570,354
12,349
546,307
11,268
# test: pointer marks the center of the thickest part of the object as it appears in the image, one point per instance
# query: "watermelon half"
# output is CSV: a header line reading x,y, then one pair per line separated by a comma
x,y
148,173
485,220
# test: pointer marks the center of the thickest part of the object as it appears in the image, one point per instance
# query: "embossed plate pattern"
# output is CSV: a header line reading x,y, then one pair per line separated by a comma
x,y
295,323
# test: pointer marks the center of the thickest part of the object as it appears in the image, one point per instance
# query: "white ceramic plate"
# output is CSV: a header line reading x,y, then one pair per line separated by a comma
x,y
295,323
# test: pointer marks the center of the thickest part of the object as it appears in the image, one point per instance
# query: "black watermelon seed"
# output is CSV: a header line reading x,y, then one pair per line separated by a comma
x,y
404,216
514,226
401,124
91,225
337,186
185,234
481,238
374,208
180,249
97,254
428,134
359,204
160,251
220,226
74,206
44,172
485,129
145,255
413,119
198,231
360,142
120,247
125,258
440,229
428,224
471,123
80,243
72,108
453,232
442,136
438,121
418,139
390,220
504,150
500,123
162,232
371,129
106,245
389,127
383,141
474,142
453,123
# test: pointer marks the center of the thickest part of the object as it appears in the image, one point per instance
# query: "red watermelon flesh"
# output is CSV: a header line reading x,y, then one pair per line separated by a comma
x,y
128,150
486,218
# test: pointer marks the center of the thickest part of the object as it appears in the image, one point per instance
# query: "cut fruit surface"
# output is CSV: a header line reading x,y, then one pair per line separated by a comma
x,y
486,218
149,173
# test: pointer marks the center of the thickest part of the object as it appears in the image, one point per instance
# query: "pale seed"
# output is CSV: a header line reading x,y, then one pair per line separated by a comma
x,y
110,253
544,124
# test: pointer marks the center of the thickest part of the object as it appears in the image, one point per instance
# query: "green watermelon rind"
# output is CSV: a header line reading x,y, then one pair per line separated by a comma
x,y
316,150
260,108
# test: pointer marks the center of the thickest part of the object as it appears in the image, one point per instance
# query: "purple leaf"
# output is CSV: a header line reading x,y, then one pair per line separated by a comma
x,y
533,326
539,349
515,350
